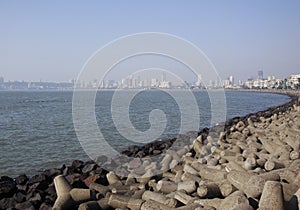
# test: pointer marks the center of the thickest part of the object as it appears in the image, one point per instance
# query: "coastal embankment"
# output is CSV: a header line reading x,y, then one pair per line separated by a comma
x,y
252,163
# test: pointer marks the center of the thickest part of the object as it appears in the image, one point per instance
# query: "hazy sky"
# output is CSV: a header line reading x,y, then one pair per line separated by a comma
x,y
51,40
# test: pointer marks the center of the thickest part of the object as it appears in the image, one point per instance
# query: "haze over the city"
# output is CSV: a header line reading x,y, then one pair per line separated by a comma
x,y
51,40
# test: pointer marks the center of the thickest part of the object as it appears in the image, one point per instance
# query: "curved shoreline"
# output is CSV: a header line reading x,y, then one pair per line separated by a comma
x,y
143,151
38,191
295,99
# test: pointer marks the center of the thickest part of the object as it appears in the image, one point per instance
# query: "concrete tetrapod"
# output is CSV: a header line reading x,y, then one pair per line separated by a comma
x,y
252,185
68,197
272,196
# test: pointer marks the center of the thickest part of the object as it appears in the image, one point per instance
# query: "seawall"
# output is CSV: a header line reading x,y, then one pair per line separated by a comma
x,y
253,163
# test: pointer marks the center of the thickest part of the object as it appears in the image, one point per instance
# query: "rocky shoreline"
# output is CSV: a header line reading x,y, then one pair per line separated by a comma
x,y
253,163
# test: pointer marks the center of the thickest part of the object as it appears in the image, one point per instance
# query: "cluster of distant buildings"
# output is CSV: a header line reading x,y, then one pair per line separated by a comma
x,y
23,85
291,82
136,82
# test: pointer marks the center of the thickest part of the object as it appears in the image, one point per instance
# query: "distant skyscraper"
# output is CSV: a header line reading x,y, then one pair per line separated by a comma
x,y
164,77
231,80
199,80
139,80
260,74
154,82
1,79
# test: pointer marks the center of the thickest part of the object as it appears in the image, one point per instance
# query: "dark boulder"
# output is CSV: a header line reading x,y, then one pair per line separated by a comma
x,y
53,172
7,187
88,167
45,206
38,178
27,205
6,203
77,164
22,179
19,197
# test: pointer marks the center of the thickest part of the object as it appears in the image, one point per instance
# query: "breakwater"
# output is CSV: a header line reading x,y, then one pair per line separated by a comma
x,y
253,163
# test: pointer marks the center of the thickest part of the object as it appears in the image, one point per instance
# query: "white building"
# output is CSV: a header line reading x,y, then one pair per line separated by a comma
x,y
154,82
293,81
165,84
231,80
226,83
199,80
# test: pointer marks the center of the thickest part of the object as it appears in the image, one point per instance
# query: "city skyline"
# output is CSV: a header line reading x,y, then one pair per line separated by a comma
x,y
259,74
37,45
164,82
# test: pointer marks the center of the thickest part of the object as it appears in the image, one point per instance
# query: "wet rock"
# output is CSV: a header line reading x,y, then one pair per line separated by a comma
x,y
51,190
6,203
73,178
43,185
45,206
22,179
27,205
7,187
50,200
77,164
37,178
91,179
19,197
88,167
22,187
52,172
140,154
79,184
156,152
101,159
36,200
66,171
134,163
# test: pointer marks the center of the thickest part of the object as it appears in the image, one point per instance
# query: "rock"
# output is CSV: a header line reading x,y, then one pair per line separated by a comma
x,y
88,167
101,159
134,163
27,205
91,179
50,200
22,179
36,197
19,197
23,188
72,178
52,172
6,203
7,187
45,206
37,178
43,185
77,164
156,152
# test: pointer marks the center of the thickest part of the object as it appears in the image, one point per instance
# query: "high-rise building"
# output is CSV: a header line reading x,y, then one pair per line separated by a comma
x,y
199,80
231,80
1,79
226,83
165,84
154,82
260,74
164,77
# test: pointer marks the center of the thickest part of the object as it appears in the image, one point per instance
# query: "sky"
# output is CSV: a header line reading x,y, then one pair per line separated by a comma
x,y
52,40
